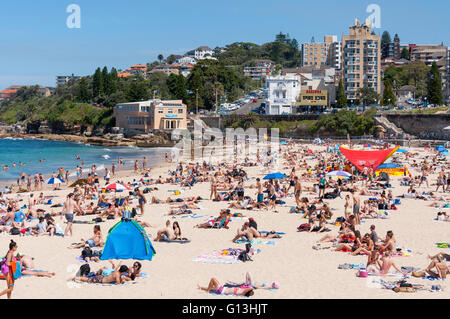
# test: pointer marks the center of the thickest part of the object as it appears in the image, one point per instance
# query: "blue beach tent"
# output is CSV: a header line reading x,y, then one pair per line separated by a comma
x,y
275,176
127,240
401,150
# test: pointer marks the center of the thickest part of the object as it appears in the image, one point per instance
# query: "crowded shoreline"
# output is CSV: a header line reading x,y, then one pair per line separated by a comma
x,y
285,262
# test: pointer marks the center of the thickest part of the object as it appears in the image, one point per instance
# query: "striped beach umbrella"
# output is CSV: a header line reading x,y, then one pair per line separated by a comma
x,y
339,173
55,180
117,187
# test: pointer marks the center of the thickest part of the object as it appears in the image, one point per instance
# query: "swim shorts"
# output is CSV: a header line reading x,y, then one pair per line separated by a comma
x,y
96,279
260,198
69,218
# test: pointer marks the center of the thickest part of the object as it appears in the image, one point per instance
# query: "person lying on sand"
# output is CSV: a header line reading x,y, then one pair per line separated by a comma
x,y
215,287
27,266
438,262
224,216
251,283
116,277
249,233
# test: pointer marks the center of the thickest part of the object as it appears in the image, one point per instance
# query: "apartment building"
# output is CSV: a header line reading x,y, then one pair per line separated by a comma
x,y
327,52
151,115
282,92
427,53
261,69
63,79
362,59
391,50
165,68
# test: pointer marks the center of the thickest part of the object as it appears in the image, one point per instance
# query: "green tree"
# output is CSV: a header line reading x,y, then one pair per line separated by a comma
x,y
106,81
97,83
388,94
367,96
340,96
434,86
160,58
385,38
83,94
404,54
138,89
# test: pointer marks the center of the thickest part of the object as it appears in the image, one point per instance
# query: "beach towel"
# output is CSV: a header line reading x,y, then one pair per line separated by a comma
x,y
352,266
166,239
225,256
443,245
256,242
268,232
84,222
192,216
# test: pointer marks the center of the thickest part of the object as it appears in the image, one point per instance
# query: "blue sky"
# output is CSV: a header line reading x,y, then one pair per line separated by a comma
x,y
36,44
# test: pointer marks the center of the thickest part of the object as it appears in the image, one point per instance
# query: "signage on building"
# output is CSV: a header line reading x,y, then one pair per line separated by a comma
x,y
314,97
171,115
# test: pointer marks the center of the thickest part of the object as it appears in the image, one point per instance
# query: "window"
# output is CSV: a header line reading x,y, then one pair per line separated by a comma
x,y
170,111
180,111
160,111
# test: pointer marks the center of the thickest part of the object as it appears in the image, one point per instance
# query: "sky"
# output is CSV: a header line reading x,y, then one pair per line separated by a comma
x,y
36,44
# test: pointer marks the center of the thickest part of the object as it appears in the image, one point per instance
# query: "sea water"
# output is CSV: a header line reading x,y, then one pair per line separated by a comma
x,y
33,156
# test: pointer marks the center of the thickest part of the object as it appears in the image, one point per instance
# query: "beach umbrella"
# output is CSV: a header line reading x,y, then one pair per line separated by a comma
x,y
275,176
339,173
55,180
117,187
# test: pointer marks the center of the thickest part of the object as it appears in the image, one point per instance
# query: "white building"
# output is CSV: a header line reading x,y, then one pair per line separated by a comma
x,y
282,92
203,52
186,60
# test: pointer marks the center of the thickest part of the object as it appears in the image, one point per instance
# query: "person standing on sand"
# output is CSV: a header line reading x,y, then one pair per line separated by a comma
x,y
10,275
144,163
136,166
356,206
141,199
297,190
67,177
113,169
69,206
213,194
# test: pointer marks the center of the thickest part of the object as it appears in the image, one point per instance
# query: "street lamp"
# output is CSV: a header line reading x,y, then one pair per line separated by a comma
x,y
426,105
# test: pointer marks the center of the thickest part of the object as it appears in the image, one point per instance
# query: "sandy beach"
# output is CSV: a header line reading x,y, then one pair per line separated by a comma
x,y
302,272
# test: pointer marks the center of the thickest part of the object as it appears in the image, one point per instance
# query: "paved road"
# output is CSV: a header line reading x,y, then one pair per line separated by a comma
x,y
247,108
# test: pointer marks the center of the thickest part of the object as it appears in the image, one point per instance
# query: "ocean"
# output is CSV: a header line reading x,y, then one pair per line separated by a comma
x,y
44,156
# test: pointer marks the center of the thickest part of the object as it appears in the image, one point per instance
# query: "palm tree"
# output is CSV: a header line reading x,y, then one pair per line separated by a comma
x,y
160,58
